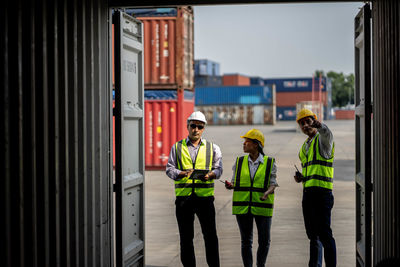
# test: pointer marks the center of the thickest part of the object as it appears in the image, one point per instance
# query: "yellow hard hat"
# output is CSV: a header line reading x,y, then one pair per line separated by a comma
x,y
305,113
255,134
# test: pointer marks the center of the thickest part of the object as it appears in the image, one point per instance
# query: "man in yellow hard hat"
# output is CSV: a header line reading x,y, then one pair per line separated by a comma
x,y
316,156
195,194
253,182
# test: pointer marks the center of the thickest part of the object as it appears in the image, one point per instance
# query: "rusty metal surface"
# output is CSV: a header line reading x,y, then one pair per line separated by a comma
x,y
169,50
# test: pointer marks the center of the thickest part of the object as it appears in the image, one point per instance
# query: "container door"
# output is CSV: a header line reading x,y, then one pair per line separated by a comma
x,y
363,117
129,141
258,114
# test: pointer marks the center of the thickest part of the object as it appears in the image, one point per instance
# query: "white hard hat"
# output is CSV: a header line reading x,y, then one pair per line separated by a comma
x,y
197,116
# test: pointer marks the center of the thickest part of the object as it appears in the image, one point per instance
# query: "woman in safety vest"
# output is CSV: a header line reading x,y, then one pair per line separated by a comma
x,y
253,184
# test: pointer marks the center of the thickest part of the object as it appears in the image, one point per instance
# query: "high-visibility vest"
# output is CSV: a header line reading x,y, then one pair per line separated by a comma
x,y
317,171
247,192
204,159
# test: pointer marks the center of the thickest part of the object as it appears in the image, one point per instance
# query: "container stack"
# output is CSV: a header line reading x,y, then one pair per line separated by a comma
x,y
230,105
168,78
206,73
290,91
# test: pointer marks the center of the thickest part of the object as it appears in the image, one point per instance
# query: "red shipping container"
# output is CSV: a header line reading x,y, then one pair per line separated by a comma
x,y
289,99
235,80
169,51
164,126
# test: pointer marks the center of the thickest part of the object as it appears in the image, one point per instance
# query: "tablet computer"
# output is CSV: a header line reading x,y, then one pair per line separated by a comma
x,y
198,174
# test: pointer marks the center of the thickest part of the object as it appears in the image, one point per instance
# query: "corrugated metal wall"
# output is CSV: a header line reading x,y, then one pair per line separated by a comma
x,y
168,50
55,134
386,156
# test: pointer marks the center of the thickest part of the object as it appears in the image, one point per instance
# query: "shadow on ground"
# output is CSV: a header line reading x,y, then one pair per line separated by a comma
x,y
342,170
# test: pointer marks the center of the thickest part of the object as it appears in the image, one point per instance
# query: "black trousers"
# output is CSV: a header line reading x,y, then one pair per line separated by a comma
x,y
317,205
203,207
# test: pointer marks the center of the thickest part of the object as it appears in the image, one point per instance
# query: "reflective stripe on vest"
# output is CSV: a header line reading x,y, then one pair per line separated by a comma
x,y
317,170
204,158
247,192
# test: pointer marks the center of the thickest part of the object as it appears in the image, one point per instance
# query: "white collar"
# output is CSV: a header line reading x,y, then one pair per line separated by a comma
x,y
202,141
260,159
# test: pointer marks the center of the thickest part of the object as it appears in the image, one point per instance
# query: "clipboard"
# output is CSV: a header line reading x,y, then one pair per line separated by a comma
x,y
198,174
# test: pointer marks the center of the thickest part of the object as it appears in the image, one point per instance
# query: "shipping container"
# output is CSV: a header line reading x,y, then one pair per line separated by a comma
x,y
235,80
152,12
286,113
238,114
206,80
234,95
286,99
165,124
344,114
168,47
256,81
206,67
167,95
301,84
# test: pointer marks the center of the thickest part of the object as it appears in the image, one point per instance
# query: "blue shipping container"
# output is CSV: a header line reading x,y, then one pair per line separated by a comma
x,y
166,95
201,81
296,84
234,95
152,12
256,81
286,113
206,67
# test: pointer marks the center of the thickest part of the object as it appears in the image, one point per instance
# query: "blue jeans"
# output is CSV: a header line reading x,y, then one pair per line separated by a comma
x,y
317,205
263,223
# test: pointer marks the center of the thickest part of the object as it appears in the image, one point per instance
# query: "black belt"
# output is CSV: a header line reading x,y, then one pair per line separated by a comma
x,y
316,189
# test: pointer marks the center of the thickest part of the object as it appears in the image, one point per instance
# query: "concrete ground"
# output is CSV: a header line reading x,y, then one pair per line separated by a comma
x,y
289,243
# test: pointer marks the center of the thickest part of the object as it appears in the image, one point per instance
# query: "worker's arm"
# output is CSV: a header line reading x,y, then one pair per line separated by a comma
x,y
273,175
325,139
272,182
172,167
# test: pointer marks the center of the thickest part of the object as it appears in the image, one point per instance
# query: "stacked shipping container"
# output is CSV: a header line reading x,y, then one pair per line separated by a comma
x,y
168,78
161,124
236,104
206,73
290,91
235,80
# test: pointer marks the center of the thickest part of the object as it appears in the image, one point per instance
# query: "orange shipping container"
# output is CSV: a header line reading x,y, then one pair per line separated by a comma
x,y
235,80
169,51
289,99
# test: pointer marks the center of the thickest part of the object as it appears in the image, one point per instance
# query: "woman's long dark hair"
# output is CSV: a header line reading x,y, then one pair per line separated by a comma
x,y
259,147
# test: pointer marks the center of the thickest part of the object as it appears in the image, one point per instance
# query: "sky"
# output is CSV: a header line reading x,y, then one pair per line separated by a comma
x,y
277,40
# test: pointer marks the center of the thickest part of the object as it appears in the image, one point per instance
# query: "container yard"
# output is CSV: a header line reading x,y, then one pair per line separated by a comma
x,y
62,202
